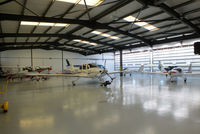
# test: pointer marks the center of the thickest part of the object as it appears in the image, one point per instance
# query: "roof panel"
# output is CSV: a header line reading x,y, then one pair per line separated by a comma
x,y
59,8
9,39
36,6
21,39
11,7
42,39
9,26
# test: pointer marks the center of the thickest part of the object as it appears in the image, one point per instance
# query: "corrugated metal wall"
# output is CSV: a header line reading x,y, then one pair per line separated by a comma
x,y
180,56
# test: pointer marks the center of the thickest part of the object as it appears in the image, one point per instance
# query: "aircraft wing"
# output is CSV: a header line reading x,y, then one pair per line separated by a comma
x,y
59,75
141,68
162,73
115,72
191,74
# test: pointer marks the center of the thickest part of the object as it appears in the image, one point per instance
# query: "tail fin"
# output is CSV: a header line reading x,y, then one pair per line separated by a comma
x,y
190,68
69,64
160,66
50,68
141,68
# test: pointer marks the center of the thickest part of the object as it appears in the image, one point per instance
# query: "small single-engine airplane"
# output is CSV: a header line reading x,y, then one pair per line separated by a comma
x,y
24,73
174,72
90,70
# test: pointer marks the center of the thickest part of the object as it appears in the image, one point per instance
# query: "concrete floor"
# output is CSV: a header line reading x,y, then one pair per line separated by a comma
x,y
141,104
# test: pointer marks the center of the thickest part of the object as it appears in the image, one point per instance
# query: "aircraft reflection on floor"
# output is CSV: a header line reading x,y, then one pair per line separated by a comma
x,y
155,95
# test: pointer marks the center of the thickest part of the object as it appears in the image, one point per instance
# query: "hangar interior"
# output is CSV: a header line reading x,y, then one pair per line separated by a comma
x,y
120,35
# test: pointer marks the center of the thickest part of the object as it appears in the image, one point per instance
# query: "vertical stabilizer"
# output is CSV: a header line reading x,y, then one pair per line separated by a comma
x,y
141,68
69,64
160,66
190,68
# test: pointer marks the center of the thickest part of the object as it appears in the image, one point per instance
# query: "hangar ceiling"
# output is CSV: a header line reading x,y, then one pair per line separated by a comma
x,y
96,26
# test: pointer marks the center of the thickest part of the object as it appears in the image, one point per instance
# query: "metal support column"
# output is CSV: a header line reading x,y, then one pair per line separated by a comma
x,y
62,61
31,57
121,63
151,59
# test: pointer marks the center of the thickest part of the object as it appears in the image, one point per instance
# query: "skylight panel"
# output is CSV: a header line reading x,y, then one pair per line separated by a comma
x,y
141,24
105,35
81,2
85,42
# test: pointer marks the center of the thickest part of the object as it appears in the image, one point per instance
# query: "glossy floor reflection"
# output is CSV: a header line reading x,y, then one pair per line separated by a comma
x,y
141,104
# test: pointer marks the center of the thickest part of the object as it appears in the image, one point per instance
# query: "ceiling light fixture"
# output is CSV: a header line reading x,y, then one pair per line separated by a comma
x,y
43,24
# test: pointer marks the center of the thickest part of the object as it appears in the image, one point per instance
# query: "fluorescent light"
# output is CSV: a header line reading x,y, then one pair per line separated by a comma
x,y
106,35
85,42
88,2
61,25
44,24
141,24
29,23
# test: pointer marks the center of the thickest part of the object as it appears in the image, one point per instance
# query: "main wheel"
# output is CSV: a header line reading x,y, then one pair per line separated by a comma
x,y
73,84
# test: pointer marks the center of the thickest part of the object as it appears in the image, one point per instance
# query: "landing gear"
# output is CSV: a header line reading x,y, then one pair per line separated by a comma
x,y
171,79
5,107
185,80
73,82
106,83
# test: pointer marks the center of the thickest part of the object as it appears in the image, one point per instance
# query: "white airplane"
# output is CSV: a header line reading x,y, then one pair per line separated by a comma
x,y
128,71
174,72
89,70
23,72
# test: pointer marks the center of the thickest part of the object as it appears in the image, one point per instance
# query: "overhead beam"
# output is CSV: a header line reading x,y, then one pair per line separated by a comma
x,y
86,23
48,43
144,18
5,2
173,13
80,47
179,17
113,8
64,36
185,37
41,47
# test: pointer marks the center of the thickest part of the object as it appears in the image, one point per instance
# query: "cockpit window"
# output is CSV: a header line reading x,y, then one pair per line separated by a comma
x,y
178,69
92,65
